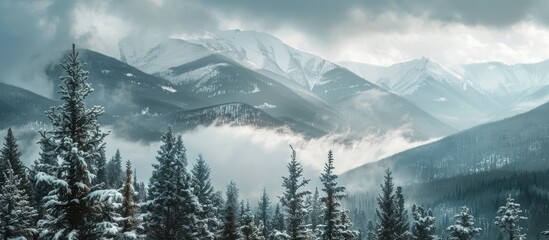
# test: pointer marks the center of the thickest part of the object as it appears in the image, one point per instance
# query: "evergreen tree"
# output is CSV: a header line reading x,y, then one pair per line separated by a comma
x,y
316,211
16,213
264,213
331,227
344,227
423,226
10,154
509,218
202,188
371,231
401,217
75,207
387,209
43,174
101,176
463,228
115,176
293,199
249,230
131,224
278,220
172,210
231,226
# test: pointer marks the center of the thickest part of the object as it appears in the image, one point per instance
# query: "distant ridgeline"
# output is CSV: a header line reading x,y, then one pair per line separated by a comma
x,y
478,167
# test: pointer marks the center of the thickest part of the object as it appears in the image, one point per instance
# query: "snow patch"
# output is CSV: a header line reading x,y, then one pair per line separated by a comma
x,y
265,105
129,75
168,89
440,99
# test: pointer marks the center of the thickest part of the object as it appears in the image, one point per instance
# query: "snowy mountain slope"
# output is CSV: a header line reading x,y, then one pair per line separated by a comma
x,y
437,89
519,143
124,89
19,106
314,90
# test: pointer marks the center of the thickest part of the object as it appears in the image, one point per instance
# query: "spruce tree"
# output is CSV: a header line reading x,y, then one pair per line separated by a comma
x,y
202,188
130,221
101,166
423,226
16,213
249,230
387,225
75,207
331,199
463,229
402,224
278,221
115,176
42,174
316,211
10,154
231,224
172,210
371,231
264,213
509,218
293,200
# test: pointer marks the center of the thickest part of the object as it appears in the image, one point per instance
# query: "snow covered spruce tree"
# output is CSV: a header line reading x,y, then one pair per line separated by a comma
x,y
130,221
278,222
231,230
464,228
371,231
264,214
293,200
101,166
75,208
202,188
387,225
402,224
316,211
423,225
509,218
16,213
249,230
42,174
115,176
172,209
333,226
10,154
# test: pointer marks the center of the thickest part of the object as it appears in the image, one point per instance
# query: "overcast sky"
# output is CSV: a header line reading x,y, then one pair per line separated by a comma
x,y
377,32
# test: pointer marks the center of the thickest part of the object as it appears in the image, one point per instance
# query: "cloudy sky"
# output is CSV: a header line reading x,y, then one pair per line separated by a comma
x,y
377,32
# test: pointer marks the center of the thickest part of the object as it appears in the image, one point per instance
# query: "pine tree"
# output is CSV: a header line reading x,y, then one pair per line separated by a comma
x,y
387,225
172,210
115,176
333,195
131,223
316,210
423,226
371,231
16,213
509,218
42,174
101,176
10,154
278,221
75,208
293,200
249,230
202,188
402,224
463,228
230,226
264,213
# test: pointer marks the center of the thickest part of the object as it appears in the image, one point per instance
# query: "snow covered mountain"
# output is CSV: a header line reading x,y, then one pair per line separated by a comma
x,y
262,71
437,89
